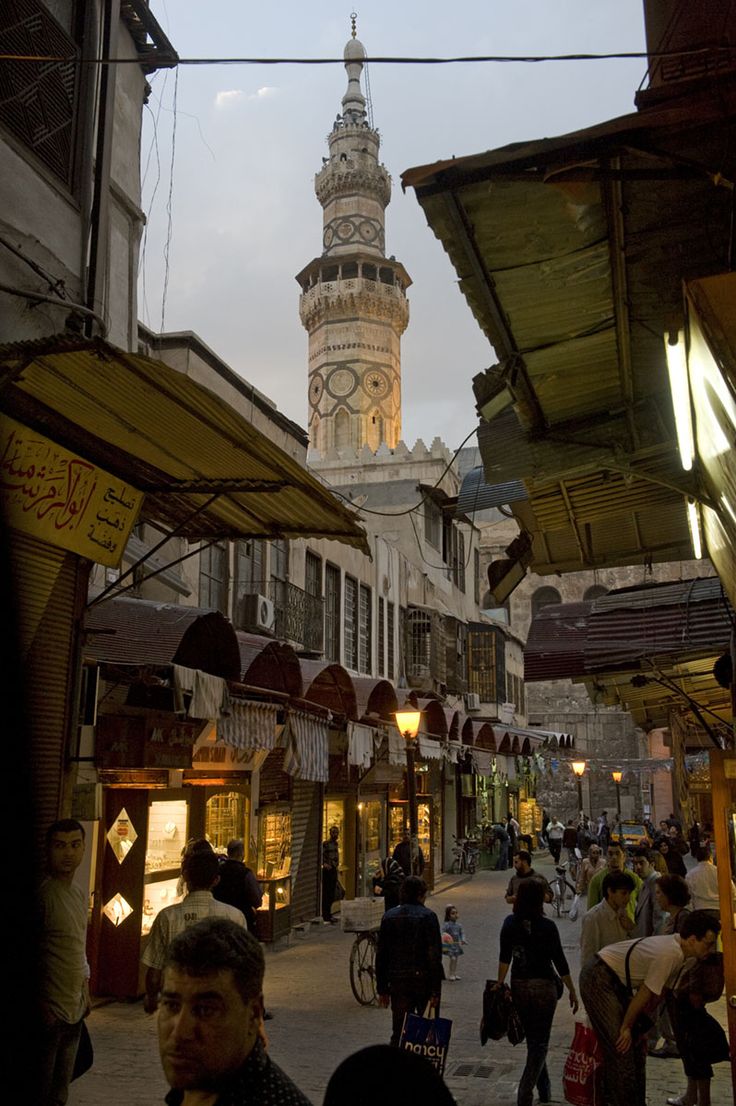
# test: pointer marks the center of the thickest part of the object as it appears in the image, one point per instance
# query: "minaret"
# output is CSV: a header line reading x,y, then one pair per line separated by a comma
x,y
353,302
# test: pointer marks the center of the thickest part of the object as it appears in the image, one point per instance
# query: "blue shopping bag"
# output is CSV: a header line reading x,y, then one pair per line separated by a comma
x,y
427,1037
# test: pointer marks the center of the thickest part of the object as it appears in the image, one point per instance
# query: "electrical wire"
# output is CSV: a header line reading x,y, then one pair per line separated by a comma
x,y
72,308
465,59
404,510
169,225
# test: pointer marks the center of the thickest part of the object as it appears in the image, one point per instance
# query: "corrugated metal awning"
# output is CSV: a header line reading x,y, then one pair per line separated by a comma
x,y
477,495
571,253
555,644
204,468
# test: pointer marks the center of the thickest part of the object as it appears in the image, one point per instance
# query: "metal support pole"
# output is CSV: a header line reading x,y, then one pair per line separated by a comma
x,y
411,791
580,795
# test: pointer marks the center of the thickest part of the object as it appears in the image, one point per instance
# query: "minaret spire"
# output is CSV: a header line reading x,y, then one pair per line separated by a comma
x,y
353,301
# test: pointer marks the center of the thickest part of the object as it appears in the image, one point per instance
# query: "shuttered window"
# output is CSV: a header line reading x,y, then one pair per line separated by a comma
x,y
351,623
366,630
332,613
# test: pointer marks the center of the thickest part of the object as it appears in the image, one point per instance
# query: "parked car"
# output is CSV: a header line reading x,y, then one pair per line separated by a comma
x,y
632,835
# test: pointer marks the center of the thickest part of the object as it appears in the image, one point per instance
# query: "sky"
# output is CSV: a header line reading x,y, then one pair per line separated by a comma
x,y
229,175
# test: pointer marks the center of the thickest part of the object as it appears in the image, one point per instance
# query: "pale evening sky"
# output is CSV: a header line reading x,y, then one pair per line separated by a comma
x,y
249,139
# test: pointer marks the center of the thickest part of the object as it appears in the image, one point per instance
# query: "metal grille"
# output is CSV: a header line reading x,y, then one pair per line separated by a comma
x,y
38,101
482,665
366,630
298,617
351,623
381,638
332,613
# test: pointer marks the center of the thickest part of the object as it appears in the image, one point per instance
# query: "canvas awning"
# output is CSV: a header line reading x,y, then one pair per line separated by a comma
x,y
206,471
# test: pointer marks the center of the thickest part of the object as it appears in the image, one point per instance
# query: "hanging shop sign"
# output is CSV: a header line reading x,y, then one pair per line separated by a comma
x,y
62,499
137,741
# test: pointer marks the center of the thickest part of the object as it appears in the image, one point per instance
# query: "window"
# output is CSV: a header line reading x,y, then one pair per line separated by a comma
x,y
213,577
544,597
365,664
280,584
313,622
313,574
351,623
432,524
418,643
332,613
482,667
39,103
476,576
460,578
381,637
249,575
390,634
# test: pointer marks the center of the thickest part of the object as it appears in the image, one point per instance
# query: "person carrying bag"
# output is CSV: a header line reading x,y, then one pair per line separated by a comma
x,y
700,1039
530,946
427,1035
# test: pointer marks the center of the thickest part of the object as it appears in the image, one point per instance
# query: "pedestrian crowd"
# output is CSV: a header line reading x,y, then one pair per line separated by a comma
x,y
649,966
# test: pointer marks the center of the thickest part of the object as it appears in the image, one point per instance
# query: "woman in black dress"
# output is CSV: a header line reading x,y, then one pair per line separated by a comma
x,y
530,945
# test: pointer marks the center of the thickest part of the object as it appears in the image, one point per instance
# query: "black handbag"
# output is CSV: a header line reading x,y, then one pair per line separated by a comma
x,y
515,1031
495,1021
85,1054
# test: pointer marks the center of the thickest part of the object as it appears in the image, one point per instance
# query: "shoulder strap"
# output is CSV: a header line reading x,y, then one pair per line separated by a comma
x,y
631,948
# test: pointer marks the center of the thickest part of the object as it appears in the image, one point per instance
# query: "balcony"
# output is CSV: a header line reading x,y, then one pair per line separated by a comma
x,y
298,617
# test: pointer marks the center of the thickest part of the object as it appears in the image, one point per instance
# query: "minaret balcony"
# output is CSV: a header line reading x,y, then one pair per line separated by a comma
x,y
355,176
369,298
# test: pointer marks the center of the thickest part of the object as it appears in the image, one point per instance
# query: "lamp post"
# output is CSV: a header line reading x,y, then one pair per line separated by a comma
x,y
617,777
578,767
407,722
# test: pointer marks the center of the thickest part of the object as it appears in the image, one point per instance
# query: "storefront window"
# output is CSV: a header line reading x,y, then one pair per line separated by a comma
x,y
333,814
226,818
372,847
274,844
167,835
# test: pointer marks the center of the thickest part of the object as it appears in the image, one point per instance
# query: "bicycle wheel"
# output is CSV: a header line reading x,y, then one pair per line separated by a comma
x,y
471,865
457,866
363,968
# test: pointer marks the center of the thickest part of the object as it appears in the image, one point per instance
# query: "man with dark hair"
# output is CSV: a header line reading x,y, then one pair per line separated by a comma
x,y
409,956
330,872
200,871
607,923
702,881
627,980
523,870
237,885
615,862
647,914
210,1021
64,972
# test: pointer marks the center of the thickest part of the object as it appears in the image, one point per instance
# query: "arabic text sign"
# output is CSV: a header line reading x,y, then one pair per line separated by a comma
x,y
61,498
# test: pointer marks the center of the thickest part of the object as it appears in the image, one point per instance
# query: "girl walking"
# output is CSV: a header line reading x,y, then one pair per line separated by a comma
x,y
453,940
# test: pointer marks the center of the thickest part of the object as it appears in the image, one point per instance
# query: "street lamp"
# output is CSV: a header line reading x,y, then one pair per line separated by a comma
x,y
578,767
617,777
407,722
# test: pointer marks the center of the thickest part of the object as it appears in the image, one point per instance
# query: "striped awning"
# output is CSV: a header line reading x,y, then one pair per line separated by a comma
x,y
307,747
481,761
429,749
249,725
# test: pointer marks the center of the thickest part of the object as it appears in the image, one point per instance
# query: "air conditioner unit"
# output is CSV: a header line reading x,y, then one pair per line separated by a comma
x,y
472,701
257,613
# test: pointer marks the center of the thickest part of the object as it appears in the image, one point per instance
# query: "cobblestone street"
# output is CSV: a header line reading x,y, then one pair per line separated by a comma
x,y
317,1022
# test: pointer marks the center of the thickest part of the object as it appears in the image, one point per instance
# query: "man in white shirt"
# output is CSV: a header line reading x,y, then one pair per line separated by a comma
x,y
64,970
647,914
615,998
608,922
702,880
555,831
201,871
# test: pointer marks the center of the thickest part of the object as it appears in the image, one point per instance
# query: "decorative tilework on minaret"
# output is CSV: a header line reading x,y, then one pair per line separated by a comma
x,y
353,302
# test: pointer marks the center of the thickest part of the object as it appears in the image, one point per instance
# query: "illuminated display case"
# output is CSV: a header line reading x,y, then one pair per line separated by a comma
x,y
274,843
273,920
167,837
226,818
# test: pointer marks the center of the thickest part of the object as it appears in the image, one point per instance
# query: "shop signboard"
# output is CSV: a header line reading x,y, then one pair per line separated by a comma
x,y
60,498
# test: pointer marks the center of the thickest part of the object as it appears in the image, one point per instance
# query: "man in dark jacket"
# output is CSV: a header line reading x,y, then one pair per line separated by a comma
x,y
238,886
409,957
405,852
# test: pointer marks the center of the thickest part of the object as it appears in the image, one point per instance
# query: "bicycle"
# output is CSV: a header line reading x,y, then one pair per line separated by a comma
x,y
465,855
363,967
560,887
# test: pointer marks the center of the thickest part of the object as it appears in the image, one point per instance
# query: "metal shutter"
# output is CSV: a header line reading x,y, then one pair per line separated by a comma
x,y
305,849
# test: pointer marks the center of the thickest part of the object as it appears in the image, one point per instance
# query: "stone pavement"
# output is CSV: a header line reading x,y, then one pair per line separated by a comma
x,y
317,1021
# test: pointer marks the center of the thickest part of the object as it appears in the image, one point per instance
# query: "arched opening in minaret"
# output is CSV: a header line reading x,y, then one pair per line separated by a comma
x,y
349,270
342,429
387,276
369,272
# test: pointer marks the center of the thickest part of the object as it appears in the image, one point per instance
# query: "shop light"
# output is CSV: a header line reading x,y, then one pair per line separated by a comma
x,y
693,518
680,391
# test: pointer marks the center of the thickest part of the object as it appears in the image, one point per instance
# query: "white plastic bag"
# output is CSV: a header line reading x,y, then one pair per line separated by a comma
x,y
574,909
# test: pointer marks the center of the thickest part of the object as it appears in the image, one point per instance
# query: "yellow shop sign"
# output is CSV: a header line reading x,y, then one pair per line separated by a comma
x,y
61,498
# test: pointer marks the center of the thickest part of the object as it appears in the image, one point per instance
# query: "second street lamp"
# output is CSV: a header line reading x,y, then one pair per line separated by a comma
x,y
578,767
617,777
407,722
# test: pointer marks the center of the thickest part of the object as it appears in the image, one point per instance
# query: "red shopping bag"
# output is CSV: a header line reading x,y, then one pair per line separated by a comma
x,y
582,1078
